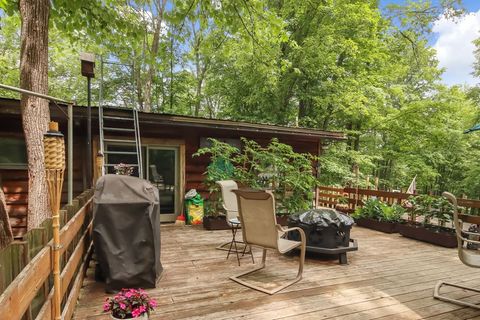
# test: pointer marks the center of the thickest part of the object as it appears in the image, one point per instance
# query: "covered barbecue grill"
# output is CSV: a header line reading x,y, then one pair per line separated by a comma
x,y
126,232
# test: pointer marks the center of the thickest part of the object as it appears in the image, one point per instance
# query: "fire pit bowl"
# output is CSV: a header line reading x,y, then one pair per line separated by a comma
x,y
327,231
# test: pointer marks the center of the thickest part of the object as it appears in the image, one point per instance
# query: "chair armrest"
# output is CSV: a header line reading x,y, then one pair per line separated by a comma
x,y
300,230
470,240
471,233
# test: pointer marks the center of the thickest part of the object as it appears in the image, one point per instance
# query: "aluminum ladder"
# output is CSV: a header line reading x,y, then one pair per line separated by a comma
x,y
110,125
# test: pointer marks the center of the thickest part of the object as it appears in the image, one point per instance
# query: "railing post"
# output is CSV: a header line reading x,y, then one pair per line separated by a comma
x,y
70,154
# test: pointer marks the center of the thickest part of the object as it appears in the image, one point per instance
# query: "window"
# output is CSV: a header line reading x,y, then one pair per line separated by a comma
x,y
204,142
13,153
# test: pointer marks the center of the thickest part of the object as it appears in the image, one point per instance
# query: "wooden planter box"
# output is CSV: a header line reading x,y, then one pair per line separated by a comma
x,y
437,237
215,223
387,227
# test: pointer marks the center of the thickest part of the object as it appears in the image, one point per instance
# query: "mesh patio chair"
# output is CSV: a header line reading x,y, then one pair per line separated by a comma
x,y
260,229
229,203
156,178
467,251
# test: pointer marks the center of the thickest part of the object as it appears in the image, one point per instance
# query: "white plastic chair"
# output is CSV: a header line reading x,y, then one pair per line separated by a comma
x,y
230,205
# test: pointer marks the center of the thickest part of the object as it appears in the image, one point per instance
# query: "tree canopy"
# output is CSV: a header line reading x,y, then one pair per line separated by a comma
x,y
343,65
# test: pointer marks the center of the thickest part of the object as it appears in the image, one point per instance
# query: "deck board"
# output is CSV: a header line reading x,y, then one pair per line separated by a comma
x,y
390,277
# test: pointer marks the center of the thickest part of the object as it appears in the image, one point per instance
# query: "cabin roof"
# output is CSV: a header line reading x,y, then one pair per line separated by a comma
x,y
12,106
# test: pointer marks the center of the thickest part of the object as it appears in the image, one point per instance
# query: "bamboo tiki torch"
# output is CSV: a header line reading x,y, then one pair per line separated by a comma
x,y
54,146
99,163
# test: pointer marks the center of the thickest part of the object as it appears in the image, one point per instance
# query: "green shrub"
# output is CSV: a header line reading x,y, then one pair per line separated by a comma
x,y
220,168
276,166
432,207
380,211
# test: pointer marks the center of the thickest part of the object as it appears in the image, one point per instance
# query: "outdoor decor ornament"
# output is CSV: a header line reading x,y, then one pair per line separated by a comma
x,y
54,148
123,169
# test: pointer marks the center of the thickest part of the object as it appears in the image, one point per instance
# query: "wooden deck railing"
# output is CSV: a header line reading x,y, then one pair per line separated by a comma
x,y
328,197
26,266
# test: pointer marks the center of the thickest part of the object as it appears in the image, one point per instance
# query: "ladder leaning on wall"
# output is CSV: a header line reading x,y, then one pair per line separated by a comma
x,y
112,125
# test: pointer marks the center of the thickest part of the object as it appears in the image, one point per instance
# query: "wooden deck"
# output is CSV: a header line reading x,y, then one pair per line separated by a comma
x,y
390,277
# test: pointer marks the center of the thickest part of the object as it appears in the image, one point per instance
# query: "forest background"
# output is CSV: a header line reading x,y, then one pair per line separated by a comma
x,y
343,65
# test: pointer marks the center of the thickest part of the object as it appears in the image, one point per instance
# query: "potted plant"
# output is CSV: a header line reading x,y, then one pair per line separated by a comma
x,y
219,168
130,304
379,216
276,167
212,220
432,209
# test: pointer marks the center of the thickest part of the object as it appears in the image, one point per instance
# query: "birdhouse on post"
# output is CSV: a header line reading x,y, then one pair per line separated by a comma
x,y
88,64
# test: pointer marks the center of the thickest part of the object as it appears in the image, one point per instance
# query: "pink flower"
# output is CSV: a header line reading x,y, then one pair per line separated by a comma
x,y
134,302
152,303
136,312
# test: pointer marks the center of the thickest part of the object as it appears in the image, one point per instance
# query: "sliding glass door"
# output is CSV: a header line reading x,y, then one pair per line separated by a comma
x,y
161,167
163,172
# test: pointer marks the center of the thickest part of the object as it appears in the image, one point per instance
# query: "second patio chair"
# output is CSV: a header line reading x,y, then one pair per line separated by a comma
x,y
260,229
229,203
467,252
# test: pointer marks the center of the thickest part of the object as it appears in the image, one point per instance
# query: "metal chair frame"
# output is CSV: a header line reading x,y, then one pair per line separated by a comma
x,y
466,255
271,239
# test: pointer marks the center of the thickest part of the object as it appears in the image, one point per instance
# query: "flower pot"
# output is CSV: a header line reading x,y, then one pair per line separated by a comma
x,y
142,317
215,223
387,227
434,235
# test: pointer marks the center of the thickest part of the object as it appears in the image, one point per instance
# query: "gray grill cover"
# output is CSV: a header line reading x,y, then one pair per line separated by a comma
x,y
126,232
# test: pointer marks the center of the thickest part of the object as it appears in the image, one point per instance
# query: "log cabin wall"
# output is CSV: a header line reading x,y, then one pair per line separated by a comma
x,y
14,181
153,127
196,166
191,136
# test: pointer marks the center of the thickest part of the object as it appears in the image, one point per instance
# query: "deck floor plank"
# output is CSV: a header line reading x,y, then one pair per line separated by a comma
x,y
390,277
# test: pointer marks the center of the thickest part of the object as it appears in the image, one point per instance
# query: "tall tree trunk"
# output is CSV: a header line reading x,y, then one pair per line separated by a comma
x,y
6,235
302,109
35,111
356,143
160,8
200,68
137,71
198,93
327,117
171,73
198,97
